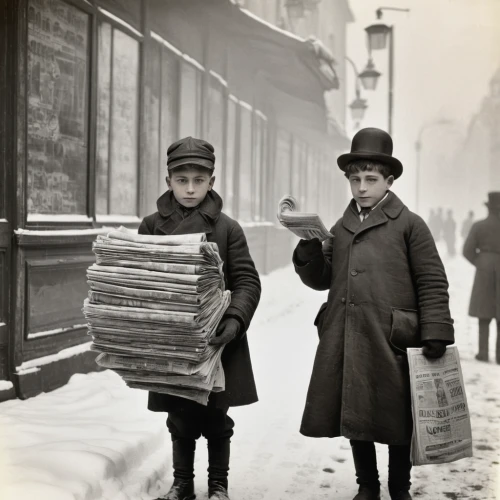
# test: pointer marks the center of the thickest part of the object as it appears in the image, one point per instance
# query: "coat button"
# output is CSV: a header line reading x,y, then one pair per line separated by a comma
x,y
343,300
354,272
356,241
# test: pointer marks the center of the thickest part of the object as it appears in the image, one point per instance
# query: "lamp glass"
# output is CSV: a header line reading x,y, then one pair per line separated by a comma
x,y
369,82
358,108
377,36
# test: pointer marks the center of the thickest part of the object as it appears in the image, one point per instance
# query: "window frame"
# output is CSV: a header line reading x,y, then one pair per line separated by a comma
x,y
47,221
104,16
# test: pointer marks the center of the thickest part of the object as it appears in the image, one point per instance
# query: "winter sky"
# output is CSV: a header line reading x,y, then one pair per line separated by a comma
x,y
446,52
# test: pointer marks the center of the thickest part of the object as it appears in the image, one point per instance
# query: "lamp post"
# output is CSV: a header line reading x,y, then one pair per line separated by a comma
x,y
358,105
379,34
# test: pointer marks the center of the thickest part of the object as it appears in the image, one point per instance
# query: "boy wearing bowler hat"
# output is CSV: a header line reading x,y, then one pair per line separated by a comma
x,y
482,250
192,206
387,291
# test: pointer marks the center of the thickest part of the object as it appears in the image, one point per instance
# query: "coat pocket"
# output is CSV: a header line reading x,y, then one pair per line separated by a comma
x,y
405,330
318,320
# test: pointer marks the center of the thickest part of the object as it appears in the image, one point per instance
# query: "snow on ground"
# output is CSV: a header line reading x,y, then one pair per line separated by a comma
x,y
94,438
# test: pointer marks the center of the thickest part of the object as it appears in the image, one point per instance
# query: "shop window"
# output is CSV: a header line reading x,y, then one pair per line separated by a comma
x,y
117,122
169,108
282,173
215,128
57,109
190,110
245,185
299,171
153,116
231,145
259,167
163,116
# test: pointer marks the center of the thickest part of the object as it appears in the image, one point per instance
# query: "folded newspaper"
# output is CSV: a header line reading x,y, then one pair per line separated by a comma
x,y
304,225
153,305
441,419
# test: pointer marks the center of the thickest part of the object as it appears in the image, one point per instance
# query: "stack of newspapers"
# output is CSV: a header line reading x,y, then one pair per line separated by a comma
x,y
153,305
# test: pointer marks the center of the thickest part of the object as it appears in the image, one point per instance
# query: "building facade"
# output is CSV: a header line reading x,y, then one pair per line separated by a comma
x,y
93,93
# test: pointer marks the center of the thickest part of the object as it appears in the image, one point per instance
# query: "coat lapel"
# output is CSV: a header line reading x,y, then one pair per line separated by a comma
x,y
350,220
391,207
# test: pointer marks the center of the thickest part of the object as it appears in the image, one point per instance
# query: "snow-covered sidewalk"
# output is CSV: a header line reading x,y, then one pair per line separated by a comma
x,y
94,438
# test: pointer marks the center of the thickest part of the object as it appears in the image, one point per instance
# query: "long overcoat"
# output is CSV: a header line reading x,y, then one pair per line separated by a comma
x,y
240,277
482,249
387,291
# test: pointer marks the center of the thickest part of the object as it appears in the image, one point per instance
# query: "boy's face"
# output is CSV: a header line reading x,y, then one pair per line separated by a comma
x,y
369,187
190,185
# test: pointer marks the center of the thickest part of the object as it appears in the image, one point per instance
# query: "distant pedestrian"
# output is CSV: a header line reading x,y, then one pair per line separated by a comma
x,y
449,233
467,224
482,249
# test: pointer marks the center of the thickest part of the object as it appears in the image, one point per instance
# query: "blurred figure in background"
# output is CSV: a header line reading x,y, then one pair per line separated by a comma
x,y
482,249
467,224
449,230
438,226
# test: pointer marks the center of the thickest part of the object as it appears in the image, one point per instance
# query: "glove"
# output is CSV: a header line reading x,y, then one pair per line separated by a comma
x,y
226,331
434,348
308,249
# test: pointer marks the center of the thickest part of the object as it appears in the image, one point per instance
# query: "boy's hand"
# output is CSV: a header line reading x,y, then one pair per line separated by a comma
x,y
308,249
434,348
226,331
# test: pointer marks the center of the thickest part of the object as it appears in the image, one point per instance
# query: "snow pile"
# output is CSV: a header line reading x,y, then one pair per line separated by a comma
x,y
82,442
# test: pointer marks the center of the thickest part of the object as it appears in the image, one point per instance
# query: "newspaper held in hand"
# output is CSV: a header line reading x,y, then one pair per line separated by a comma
x,y
304,225
441,418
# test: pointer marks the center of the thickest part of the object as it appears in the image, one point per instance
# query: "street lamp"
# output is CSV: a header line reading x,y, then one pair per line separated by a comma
x,y
358,105
369,76
378,36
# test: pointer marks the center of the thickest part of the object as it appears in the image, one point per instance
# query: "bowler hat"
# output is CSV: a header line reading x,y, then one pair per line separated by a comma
x,y
372,144
191,151
493,200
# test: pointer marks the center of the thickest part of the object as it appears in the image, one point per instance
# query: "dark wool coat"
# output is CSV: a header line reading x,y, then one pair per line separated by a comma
x,y
240,277
482,249
387,291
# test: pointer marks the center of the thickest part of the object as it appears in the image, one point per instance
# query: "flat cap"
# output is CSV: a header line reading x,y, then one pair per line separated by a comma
x,y
191,151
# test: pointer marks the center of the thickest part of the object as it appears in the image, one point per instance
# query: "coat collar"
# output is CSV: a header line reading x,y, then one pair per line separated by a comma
x,y
211,206
198,221
390,208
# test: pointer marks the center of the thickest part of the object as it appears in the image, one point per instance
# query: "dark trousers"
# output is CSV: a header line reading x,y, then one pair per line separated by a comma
x,y
365,462
484,334
189,423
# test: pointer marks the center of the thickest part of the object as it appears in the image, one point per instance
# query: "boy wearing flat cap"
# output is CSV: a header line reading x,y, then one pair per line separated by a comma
x,y
192,206
387,291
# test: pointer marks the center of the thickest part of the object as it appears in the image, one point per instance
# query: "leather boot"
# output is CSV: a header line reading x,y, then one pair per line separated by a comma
x,y
181,489
218,468
399,472
365,463
484,333
183,464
